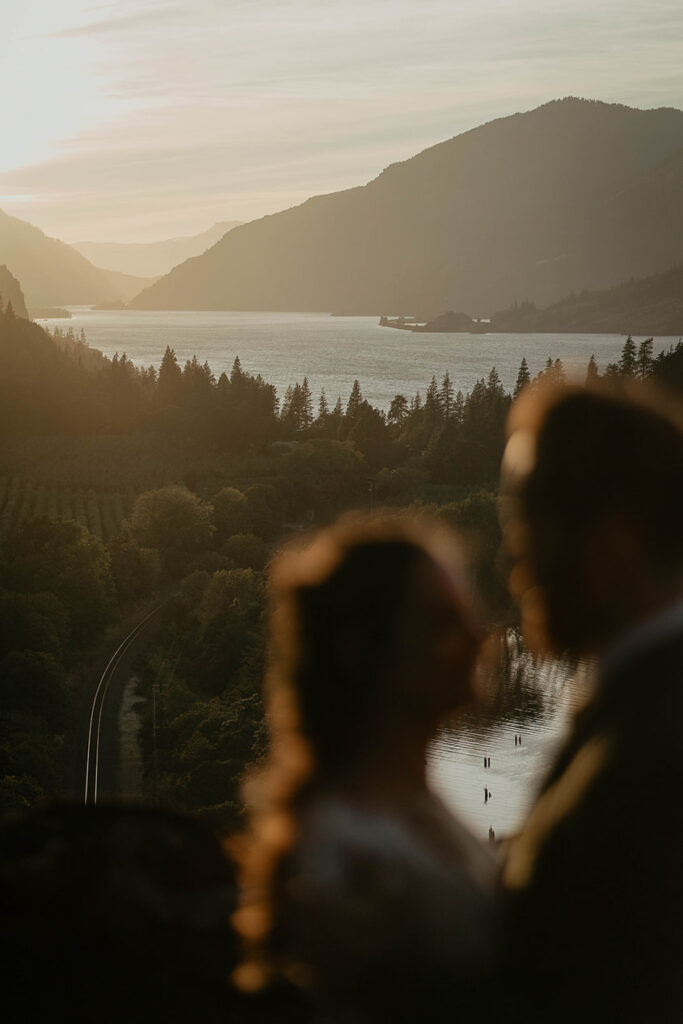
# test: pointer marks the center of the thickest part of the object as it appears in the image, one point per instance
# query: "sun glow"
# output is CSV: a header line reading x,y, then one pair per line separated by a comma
x,y
157,117
53,83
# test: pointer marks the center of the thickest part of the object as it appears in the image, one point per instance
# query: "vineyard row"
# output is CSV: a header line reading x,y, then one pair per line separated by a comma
x,y
99,512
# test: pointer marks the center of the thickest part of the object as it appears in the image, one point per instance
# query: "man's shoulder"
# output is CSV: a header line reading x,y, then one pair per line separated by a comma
x,y
619,777
650,678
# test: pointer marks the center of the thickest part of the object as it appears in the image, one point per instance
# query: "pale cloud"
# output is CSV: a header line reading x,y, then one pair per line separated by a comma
x,y
166,115
155,16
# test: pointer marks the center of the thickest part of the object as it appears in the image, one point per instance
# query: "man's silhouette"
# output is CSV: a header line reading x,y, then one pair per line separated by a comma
x,y
593,516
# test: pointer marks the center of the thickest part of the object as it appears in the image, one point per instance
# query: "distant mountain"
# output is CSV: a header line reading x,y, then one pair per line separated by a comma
x,y
574,194
52,273
124,286
10,291
651,305
152,259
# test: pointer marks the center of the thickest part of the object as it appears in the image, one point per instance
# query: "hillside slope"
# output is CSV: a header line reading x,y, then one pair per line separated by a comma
x,y
651,305
571,195
151,259
51,272
10,291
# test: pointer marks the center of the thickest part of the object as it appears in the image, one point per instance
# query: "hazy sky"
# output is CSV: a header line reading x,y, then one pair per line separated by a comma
x,y
140,119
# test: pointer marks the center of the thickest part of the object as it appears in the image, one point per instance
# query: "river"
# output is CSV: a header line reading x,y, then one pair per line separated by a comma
x,y
333,351
520,740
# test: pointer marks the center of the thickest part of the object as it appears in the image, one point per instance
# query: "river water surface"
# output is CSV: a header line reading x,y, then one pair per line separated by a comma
x,y
456,760
333,351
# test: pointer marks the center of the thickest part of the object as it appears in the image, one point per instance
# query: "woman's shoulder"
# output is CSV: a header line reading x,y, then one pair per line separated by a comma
x,y
383,842
367,881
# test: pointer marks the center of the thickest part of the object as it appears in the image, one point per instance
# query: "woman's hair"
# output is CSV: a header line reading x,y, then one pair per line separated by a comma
x,y
338,615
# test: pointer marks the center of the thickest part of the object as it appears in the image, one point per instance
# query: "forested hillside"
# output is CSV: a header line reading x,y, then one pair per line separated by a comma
x,y
650,305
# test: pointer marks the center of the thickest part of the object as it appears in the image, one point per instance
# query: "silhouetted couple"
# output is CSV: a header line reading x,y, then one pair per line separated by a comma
x,y
359,886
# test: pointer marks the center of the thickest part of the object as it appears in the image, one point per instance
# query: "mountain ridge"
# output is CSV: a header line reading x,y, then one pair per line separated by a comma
x,y
152,259
52,273
521,205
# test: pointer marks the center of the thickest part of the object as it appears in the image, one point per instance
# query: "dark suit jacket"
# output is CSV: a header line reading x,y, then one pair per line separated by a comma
x,y
594,883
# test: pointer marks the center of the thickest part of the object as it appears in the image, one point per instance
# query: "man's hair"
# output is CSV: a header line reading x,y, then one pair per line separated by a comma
x,y
602,452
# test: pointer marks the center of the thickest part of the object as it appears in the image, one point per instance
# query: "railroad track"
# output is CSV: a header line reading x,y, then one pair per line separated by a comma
x,y
92,757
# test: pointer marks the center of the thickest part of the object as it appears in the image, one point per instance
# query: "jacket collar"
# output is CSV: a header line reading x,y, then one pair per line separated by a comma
x,y
640,639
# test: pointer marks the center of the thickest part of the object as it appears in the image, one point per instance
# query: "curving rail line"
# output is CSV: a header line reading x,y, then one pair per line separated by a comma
x,y
92,759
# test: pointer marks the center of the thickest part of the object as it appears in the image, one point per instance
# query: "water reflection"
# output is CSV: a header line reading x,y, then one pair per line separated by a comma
x,y
524,725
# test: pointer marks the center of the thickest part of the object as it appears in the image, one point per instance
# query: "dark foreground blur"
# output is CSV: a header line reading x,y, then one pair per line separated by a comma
x,y
120,914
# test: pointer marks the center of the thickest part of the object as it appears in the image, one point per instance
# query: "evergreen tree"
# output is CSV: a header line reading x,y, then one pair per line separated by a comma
x,y
223,386
446,396
294,412
170,380
459,407
323,407
286,409
398,410
628,364
523,377
236,372
432,406
338,410
208,373
355,401
644,361
592,370
552,372
493,385
306,414
296,408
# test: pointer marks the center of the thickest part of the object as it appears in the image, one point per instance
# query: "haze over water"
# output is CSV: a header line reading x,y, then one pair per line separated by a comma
x,y
333,351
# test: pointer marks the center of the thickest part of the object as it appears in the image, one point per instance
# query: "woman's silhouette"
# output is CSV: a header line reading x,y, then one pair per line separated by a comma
x,y
358,884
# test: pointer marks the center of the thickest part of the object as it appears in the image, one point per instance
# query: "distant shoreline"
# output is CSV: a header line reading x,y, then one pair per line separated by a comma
x,y
49,313
489,328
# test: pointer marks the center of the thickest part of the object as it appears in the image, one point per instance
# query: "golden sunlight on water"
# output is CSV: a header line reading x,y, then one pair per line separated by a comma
x,y
333,351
